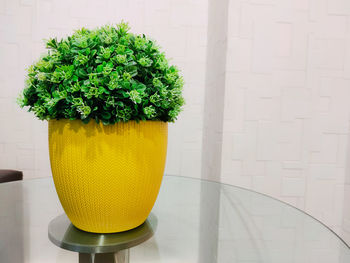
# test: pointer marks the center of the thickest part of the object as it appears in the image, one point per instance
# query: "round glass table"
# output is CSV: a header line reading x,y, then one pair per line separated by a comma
x,y
197,221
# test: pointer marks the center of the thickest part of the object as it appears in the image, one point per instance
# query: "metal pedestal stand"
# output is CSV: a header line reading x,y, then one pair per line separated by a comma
x,y
99,248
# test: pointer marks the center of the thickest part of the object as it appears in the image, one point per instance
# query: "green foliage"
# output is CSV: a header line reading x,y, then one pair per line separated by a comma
x,y
106,74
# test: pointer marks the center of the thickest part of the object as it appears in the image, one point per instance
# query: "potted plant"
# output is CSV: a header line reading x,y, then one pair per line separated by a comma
x,y
107,95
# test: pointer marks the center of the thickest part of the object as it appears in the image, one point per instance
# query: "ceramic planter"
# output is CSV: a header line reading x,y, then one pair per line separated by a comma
x,y
107,177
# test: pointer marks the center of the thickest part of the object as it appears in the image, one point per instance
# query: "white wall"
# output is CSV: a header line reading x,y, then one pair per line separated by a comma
x,y
286,116
285,111
23,26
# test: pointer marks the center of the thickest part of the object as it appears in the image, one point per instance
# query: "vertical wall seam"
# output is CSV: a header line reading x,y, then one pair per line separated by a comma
x,y
214,89
213,129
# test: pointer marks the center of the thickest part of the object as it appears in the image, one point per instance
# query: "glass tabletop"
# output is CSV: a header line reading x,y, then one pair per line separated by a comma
x,y
198,221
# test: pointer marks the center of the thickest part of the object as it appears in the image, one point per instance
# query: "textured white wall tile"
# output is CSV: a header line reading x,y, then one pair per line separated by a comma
x,y
263,45
2,7
232,167
267,146
11,6
327,53
330,27
325,172
239,55
329,150
244,145
338,7
293,187
255,168
289,78
26,161
283,38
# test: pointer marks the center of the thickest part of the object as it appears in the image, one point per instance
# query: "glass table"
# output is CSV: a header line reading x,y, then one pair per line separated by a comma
x,y
197,221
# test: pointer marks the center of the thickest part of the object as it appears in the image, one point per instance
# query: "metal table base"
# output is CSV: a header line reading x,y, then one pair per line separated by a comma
x,y
99,248
121,256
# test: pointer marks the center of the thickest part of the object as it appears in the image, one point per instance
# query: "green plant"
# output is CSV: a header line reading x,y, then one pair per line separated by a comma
x,y
106,74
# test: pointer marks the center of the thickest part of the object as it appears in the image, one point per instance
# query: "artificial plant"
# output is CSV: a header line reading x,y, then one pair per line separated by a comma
x,y
107,74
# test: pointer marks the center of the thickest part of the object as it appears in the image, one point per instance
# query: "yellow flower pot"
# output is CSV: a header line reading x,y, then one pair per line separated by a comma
x,y
107,177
